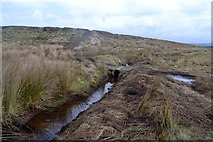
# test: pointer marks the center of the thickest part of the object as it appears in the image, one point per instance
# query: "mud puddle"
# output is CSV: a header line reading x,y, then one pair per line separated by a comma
x,y
182,79
47,124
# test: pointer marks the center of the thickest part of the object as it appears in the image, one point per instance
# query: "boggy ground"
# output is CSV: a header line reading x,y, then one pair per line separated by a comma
x,y
45,67
144,105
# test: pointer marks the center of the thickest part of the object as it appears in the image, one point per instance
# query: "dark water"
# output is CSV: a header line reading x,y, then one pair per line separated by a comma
x,y
47,124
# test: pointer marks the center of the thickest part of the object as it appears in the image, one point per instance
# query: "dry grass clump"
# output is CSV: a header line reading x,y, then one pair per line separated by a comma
x,y
155,108
164,124
29,80
203,85
145,100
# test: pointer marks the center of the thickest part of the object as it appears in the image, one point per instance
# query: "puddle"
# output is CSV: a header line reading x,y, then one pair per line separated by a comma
x,y
47,124
182,79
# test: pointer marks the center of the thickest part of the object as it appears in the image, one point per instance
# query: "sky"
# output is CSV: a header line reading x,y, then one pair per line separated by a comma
x,y
187,21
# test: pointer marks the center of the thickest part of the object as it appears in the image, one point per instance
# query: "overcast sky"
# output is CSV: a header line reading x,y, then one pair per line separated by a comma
x,y
186,21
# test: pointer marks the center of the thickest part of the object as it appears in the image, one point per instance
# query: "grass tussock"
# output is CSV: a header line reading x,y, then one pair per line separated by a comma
x,y
203,85
164,123
155,108
143,104
31,81
143,107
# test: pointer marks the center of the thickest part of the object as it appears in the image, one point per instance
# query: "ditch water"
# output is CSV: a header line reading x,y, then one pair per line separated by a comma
x,y
47,124
182,79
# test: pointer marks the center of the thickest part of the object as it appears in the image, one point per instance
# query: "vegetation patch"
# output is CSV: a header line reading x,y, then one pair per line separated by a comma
x,y
44,67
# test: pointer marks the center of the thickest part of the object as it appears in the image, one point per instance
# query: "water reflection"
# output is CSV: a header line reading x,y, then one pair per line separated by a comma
x,y
46,124
182,79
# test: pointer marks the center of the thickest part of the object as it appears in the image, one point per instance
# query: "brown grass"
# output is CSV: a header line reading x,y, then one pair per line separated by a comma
x,y
164,124
37,74
31,79
203,85
155,107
